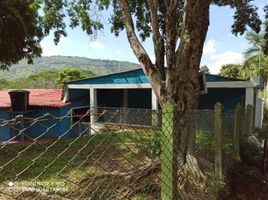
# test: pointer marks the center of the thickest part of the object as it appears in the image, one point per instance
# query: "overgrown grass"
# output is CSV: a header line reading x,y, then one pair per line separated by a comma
x,y
62,165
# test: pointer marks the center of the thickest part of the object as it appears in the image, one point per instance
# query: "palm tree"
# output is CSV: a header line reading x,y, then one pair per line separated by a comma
x,y
258,42
256,55
256,65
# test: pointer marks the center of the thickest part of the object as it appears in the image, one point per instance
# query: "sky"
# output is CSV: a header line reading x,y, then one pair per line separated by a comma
x,y
221,47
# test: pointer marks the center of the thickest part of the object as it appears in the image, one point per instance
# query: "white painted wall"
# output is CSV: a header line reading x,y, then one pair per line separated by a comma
x,y
249,97
259,106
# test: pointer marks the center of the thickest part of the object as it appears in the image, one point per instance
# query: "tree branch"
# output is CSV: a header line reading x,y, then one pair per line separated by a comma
x,y
193,34
149,69
157,39
171,39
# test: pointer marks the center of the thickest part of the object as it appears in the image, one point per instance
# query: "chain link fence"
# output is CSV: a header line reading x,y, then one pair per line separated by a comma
x,y
106,153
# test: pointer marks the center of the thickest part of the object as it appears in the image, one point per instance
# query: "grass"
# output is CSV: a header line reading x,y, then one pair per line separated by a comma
x,y
67,164
80,166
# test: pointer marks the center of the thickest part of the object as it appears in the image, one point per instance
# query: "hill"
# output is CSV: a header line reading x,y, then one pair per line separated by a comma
x,y
57,63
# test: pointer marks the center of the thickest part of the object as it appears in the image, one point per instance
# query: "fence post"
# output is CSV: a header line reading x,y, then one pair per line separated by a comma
x,y
218,140
237,132
166,156
249,120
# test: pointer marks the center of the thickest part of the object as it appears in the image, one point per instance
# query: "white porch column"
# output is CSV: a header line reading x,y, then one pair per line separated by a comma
x,y
156,117
259,112
249,97
93,105
154,101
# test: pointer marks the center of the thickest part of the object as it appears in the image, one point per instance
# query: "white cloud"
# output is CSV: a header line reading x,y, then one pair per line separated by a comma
x,y
224,58
96,45
152,57
209,47
47,51
118,52
63,40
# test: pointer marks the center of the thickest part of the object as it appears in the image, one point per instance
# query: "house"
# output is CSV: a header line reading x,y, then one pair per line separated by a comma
x,y
110,96
41,103
131,89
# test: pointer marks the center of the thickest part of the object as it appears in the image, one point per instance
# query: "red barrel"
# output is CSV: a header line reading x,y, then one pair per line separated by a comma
x,y
19,100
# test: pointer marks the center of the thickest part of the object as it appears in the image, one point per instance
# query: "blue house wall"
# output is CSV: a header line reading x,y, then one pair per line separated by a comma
x,y
59,121
228,97
78,94
137,98
48,126
5,130
136,76
140,98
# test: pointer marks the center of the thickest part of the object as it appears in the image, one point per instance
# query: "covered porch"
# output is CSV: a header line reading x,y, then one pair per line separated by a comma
x,y
124,104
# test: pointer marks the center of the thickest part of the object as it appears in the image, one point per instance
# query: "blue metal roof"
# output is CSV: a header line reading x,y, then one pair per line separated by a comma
x,y
135,76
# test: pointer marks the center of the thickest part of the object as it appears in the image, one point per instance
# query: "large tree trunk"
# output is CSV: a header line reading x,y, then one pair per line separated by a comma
x,y
182,79
182,83
180,86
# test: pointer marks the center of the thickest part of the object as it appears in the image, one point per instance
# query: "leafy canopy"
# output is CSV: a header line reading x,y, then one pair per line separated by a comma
x,y
205,69
256,62
20,31
45,80
71,74
23,25
231,71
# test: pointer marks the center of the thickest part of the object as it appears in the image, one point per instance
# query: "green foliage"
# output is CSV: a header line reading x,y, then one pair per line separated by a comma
x,y
20,31
205,69
205,142
69,74
44,80
256,65
4,83
77,12
245,16
58,63
151,145
258,42
262,132
257,55
231,71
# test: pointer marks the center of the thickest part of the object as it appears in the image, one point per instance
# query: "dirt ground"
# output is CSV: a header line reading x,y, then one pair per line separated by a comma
x,y
29,141
246,183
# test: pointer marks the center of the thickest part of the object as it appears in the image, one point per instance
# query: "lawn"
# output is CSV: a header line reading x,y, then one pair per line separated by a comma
x,y
86,166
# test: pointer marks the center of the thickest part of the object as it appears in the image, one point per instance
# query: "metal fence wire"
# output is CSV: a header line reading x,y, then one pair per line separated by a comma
x,y
104,153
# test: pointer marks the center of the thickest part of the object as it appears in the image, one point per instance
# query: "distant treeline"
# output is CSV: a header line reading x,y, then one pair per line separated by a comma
x,y
45,80
58,63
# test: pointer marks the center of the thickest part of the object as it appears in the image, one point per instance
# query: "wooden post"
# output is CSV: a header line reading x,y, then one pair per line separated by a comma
x,y
218,141
249,120
166,156
237,132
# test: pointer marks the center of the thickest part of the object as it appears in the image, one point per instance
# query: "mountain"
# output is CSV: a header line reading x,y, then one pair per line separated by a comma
x,y
57,63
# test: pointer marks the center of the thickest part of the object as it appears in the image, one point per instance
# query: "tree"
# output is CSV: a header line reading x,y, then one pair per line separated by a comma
x,y
46,80
178,29
256,55
20,31
256,62
71,74
257,41
256,65
205,69
231,71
